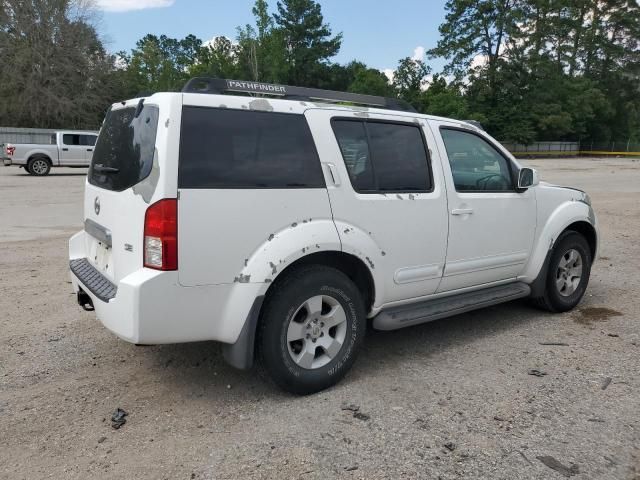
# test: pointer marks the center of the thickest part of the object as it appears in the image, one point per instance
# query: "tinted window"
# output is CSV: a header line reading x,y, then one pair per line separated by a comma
x,y
123,155
352,138
383,157
71,139
475,164
222,148
88,140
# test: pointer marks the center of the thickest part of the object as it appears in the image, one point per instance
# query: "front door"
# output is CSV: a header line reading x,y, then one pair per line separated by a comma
x,y
387,197
491,225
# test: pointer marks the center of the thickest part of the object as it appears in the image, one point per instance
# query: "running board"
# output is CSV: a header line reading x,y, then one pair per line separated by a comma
x,y
407,315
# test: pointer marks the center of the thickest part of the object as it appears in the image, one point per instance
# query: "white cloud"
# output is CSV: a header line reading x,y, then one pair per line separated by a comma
x,y
418,53
127,5
389,72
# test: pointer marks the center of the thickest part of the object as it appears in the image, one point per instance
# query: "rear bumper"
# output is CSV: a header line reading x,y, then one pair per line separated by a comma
x,y
151,307
6,162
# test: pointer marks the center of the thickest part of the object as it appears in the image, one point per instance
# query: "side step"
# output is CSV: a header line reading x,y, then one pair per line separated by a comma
x,y
407,315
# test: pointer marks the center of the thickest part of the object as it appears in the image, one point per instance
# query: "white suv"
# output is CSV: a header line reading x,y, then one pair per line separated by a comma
x,y
279,226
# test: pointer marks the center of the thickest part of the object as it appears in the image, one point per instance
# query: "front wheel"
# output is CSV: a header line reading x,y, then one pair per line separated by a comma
x,y
38,166
568,273
311,329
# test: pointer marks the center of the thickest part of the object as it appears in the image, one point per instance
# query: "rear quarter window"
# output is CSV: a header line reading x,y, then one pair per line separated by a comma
x,y
223,148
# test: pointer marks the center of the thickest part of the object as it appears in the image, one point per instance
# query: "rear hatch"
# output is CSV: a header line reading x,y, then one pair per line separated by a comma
x,y
121,179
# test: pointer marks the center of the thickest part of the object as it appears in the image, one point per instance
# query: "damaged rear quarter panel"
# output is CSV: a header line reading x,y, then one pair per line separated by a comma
x,y
249,235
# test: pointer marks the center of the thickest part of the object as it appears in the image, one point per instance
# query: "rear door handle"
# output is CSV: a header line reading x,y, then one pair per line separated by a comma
x,y
89,149
65,149
462,211
333,171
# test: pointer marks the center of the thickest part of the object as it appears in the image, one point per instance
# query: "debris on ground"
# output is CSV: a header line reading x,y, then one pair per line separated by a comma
x,y
361,416
554,464
606,383
355,409
536,372
450,446
352,407
102,439
351,469
118,418
558,344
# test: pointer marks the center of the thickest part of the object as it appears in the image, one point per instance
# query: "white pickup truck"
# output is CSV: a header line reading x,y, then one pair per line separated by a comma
x,y
67,149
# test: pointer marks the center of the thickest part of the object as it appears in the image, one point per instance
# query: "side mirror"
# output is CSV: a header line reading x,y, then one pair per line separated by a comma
x,y
527,177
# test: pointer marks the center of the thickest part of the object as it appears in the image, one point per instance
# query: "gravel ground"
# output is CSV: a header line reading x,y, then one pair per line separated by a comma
x,y
449,399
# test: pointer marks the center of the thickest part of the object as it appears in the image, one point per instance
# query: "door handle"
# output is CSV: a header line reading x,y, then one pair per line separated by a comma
x,y
333,171
462,211
89,149
65,149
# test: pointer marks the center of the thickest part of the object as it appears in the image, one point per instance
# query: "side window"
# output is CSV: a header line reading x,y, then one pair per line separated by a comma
x,y
71,139
383,157
352,138
88,140
475,164
222,148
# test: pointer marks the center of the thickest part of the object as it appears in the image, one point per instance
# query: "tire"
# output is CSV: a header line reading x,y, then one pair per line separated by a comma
x,y
299,351
39,166
567,274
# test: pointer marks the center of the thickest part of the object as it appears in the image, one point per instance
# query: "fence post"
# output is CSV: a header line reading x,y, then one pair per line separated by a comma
x,y
628,142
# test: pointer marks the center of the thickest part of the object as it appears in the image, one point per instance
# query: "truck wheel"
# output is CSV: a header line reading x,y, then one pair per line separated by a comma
x,y
39,166
311,329
567,275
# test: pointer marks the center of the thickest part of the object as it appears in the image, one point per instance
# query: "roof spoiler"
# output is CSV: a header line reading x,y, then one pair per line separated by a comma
x,y
287,92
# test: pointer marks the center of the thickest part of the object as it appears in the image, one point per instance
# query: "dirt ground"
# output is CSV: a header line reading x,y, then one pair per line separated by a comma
x,y
449,399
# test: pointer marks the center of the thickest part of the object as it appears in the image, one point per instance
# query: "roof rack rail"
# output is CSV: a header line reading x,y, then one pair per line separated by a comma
x,y
287,92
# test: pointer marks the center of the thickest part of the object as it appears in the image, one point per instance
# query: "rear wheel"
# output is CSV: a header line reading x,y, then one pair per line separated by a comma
x,y
311,329
568,273
38,166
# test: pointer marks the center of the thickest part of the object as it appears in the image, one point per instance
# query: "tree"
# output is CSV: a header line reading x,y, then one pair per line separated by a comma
x,y
55,72
161,63
477,29
410,80
218,58
307,40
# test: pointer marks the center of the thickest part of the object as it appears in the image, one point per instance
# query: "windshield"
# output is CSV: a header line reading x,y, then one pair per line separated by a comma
x,y
124,151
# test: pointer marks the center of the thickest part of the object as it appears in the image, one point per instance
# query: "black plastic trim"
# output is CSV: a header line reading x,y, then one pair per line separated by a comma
x,y
218,86
240,354
93,280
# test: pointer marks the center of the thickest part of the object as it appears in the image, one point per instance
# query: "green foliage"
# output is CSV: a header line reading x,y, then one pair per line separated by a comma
x,y
308,44
526,69
55,72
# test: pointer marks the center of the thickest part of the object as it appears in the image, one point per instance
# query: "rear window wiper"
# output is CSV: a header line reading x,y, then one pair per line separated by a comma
x,y
102,169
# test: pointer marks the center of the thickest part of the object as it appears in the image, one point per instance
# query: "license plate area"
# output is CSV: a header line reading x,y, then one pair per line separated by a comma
x,y
100,256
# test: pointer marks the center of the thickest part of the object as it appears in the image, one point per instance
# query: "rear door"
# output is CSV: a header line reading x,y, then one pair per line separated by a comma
x,y
389,193
89,142
72,150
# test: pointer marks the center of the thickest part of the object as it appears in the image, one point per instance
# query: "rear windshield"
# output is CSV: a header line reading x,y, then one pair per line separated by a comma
x,y
123,154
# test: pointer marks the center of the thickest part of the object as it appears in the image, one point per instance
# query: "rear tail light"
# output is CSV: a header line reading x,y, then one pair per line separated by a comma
x,y
11,150
161,235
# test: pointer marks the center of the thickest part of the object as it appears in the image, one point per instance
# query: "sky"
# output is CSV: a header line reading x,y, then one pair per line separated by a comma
x,y
379,33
